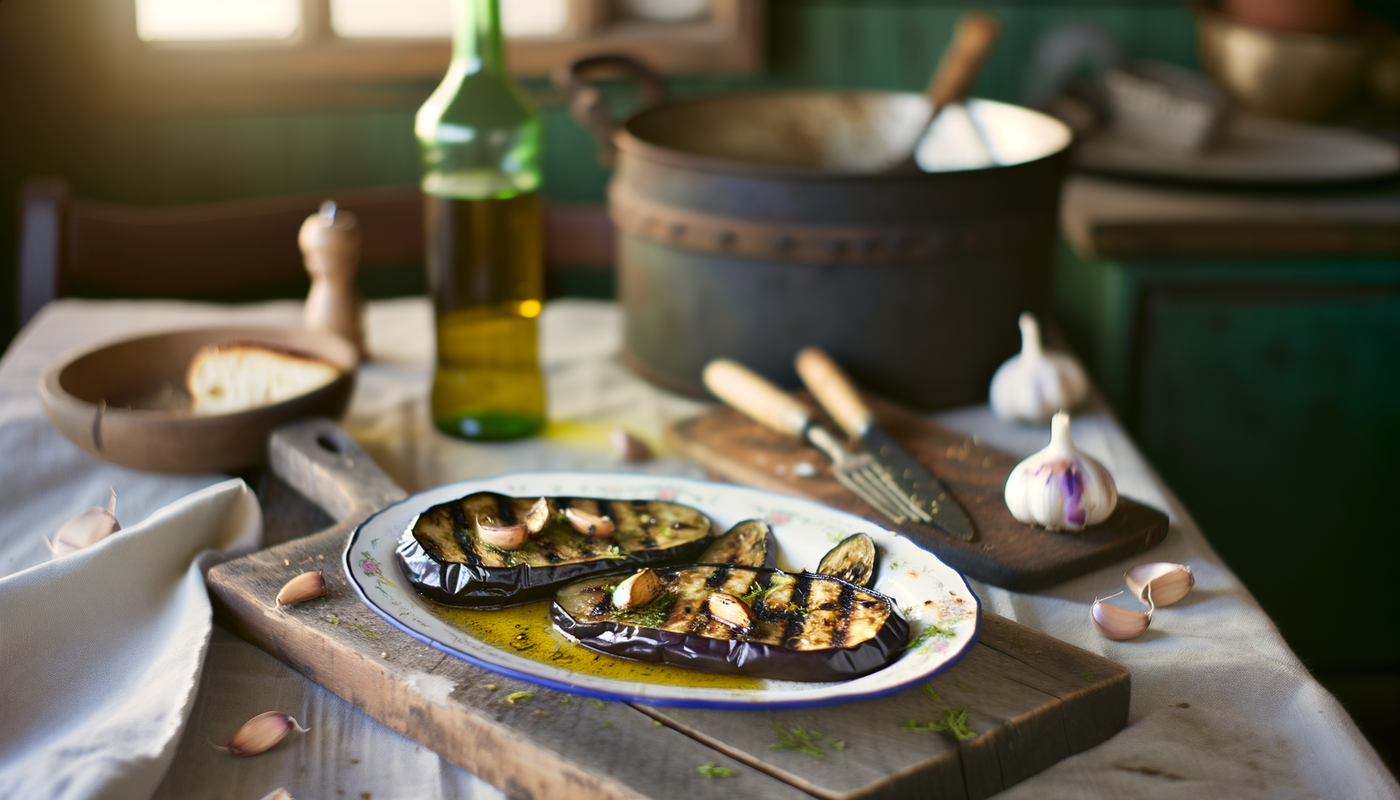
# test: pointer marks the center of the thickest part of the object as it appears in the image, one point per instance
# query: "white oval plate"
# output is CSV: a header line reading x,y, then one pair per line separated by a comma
x,y
943,613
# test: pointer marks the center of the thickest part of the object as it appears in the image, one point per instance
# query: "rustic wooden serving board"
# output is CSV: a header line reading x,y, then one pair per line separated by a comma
x,y
1004,552
1031,699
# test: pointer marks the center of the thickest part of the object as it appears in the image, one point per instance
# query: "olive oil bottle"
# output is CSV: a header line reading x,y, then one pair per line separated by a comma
x,y
479,137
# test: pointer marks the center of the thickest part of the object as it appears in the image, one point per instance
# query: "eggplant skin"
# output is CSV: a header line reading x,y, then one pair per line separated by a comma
x,y
852,559
748,544
811,627
445,564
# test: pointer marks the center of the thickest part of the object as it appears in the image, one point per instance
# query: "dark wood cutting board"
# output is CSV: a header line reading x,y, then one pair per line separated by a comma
x,y
1031,699
1004,553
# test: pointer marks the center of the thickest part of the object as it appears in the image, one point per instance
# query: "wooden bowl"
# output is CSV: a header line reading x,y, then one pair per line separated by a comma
x,y
126,403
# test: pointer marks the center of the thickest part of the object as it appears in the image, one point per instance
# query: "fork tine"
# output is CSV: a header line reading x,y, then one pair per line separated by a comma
x,y
904,500
891,494
859,484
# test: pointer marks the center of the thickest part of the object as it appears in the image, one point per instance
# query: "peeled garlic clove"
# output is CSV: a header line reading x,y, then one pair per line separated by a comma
x,y
261,733
1036,383
1060,488
538,516
85,529
629,447
731,611
306,586
637,590
279,793
1160,583
590,524
506,537
1117,623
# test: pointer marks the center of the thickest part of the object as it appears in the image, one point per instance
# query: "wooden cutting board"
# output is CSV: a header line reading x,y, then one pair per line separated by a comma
x,y
1031,699
1004,552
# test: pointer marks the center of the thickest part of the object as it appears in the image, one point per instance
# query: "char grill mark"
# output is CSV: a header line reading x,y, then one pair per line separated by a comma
x,y
846,603
796,624
717,578
504,512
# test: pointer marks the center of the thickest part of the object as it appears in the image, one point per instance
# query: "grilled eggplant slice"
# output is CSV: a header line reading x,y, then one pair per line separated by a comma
x,y
852,560
807,627
748,544
447,560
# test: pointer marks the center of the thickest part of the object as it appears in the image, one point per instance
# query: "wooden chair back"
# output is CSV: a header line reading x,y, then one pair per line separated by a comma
x,y
241,249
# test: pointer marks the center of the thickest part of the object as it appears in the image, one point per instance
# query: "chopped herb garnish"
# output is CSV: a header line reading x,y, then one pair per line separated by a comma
x,y
964,687
489,686
595,701
799,739
651,615
711,771
839,745
369,634
953,721
928,633
1086,676
607,724
515,697
928,690
565,700
541,712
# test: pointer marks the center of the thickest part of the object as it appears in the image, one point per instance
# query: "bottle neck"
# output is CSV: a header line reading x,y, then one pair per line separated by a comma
x,y
477,45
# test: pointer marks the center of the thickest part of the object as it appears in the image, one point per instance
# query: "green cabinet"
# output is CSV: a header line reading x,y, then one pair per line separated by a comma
x,y
1266,391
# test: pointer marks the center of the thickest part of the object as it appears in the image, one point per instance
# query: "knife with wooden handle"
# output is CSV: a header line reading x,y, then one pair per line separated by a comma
x,y
925,497
772,407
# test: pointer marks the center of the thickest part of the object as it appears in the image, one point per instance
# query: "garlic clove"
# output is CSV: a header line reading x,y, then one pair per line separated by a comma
x,y
85,529
637,590
1060,488
731,611
280,793
505,537
590,524
306,586
1118,624
538,516
629,447
261,733
1160,583
1035,383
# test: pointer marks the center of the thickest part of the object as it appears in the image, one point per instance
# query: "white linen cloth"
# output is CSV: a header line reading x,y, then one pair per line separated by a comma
x,y
103,649
1220,706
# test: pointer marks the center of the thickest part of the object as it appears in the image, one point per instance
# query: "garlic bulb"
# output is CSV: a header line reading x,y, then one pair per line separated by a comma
x,y
1031,386
1060,487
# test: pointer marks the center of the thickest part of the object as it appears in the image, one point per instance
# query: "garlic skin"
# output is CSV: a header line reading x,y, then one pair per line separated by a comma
x,y
1060,488
1118,624
84,529
506,537
1036,383
261,733
1160,583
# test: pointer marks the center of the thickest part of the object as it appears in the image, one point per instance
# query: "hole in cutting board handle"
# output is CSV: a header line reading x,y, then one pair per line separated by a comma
x,y
328,444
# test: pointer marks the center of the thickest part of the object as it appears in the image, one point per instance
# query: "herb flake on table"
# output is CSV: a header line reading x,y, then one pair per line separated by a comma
x,y
928,690
711,771
515,697
369,634
801,740
953,722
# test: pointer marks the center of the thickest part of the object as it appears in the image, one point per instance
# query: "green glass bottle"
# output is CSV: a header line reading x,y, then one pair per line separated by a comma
x,y
479,136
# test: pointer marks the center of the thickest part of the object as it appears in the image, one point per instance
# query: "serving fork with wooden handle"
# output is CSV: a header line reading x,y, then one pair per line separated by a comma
x,y
768,405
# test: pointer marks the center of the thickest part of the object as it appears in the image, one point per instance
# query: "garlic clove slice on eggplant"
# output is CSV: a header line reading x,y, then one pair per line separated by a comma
x,y
1160,583
1118,624
85,529
504,537
1035,383
1060,488
538,516
590,524
640,588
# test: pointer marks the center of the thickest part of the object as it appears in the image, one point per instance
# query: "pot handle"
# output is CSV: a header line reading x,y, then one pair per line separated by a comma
x,y
586,103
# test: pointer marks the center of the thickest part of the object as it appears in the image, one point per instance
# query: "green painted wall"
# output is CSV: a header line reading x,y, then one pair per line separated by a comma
x,y
51,126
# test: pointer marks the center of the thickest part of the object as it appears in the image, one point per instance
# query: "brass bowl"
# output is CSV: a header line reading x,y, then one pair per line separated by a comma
x,y
1289,74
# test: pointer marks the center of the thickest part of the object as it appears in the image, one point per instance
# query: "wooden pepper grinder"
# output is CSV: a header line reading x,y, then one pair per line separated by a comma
x,y
330,245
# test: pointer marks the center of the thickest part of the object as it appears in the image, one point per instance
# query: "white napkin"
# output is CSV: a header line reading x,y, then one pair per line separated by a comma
x,y
101,651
